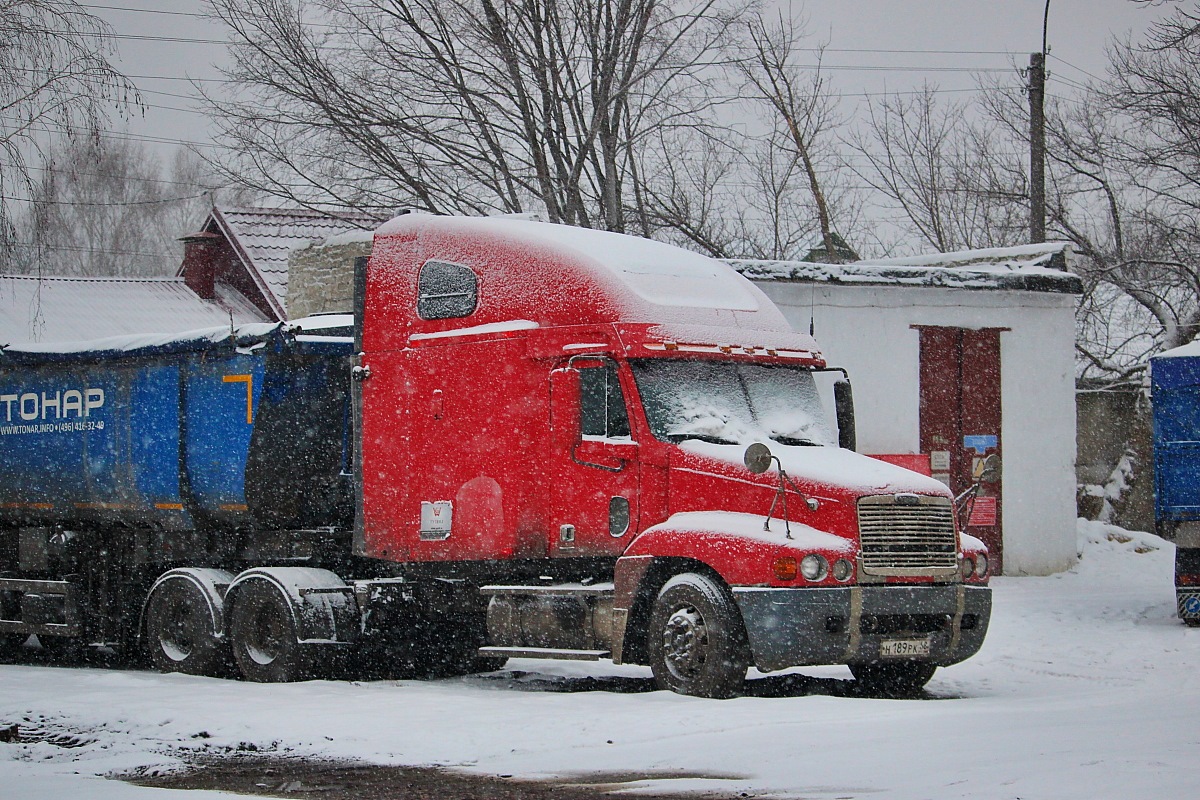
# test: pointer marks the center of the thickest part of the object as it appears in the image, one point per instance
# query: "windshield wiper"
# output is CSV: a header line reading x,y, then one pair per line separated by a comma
x,y
792,441
676,438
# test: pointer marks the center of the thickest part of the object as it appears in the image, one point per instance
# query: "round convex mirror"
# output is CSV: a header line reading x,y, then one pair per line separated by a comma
x,y
757,458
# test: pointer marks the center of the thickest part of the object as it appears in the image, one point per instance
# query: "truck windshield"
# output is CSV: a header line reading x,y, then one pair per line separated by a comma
x,y
730,403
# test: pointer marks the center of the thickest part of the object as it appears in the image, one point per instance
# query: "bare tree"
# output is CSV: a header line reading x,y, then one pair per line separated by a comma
x,y
107,206
947,168
803,107
55,75
470,107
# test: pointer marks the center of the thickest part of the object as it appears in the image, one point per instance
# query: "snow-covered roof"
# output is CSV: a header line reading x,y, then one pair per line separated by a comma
x,y
1189,350
1033,268
61,309
329,330
262,238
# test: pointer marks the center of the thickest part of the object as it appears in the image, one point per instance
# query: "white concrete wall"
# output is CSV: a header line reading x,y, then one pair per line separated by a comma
x,y
868,330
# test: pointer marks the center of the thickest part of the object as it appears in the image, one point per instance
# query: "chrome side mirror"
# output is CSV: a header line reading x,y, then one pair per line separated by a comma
x,y
758,458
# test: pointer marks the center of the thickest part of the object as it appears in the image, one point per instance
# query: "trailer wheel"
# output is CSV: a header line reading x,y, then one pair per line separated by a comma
x,y
263,632
181,634
697,642
893,679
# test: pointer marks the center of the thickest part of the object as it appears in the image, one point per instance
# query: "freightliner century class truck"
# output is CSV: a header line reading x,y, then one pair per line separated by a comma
x,y
529,440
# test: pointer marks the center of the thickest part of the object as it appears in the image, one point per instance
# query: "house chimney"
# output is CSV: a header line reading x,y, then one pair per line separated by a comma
x,y
199,270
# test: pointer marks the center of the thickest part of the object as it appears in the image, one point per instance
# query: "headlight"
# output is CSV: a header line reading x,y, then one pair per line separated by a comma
x,y
981,566
968,567
814,567
842,570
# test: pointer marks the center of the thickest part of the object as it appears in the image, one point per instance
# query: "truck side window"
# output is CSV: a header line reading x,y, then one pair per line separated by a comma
x,y
446,291
602,406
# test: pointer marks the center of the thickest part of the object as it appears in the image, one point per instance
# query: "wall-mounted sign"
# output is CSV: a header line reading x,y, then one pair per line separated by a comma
x,y
983,512
980,443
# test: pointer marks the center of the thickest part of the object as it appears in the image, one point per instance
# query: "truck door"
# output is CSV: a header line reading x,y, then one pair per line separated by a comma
x,y
594,479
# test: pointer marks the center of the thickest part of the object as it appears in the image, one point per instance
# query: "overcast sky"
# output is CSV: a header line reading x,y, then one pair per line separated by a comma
x,y
943,40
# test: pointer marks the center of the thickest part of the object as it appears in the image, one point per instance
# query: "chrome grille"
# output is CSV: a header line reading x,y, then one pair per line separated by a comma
x,y
907,535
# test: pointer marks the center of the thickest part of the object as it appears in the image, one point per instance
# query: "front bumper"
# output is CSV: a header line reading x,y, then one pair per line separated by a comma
x,y
798,627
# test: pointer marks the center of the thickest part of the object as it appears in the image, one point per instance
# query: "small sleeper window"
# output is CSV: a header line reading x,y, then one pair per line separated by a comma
x,y
446,291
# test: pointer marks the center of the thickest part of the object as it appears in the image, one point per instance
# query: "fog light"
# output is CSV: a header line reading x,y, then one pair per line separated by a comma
x,y
981,566
814,567
785,568
842,570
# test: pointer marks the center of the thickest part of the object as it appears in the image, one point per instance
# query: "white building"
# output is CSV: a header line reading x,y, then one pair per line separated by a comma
x,y
953,357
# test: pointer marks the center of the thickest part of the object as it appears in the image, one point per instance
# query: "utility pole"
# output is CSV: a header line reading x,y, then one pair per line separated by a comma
x,y
1037,147
1037,138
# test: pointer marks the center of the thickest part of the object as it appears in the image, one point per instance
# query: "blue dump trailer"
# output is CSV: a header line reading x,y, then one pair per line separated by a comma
x,y
123,458
1175,387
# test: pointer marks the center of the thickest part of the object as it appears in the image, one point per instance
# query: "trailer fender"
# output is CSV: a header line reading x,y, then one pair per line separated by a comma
x,y
212,583
323,606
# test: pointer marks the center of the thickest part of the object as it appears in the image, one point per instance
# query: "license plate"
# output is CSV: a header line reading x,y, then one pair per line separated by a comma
x,y
904,648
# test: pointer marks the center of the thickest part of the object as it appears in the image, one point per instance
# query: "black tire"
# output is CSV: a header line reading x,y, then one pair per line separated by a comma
x,y
893,678
263,634
697,641
181,635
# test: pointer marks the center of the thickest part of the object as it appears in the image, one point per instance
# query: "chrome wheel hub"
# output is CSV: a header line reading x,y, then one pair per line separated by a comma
x,y
685,642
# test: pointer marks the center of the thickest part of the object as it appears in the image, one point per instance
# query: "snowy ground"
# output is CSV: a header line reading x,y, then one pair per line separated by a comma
x,y
1087,687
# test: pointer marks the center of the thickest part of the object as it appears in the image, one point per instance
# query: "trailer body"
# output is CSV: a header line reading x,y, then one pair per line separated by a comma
x,y
529,440
1175,389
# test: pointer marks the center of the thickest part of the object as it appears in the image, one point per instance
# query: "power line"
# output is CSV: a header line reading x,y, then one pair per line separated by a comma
x,y
886,51
69,249
60,128
164,181
1072,66
103,205
144,10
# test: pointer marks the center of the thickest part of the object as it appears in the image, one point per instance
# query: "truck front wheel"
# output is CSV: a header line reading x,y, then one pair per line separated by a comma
x,y
697,642
181,634
893,679
263,632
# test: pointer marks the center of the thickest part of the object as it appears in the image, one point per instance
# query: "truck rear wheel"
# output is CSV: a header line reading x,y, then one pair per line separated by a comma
x,y
893,679
263,632
181,634
697,642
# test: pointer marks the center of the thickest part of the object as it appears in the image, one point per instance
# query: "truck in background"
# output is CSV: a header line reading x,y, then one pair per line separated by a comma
x,y
530,440
1175,392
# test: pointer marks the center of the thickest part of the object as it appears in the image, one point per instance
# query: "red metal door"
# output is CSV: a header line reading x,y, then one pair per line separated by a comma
x,y
960,418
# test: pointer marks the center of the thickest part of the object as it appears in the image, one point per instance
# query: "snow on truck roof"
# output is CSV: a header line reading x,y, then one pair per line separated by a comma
x,y
656,272
600,276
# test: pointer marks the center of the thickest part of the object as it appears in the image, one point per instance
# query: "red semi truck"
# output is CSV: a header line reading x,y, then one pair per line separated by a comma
x,y
558,443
